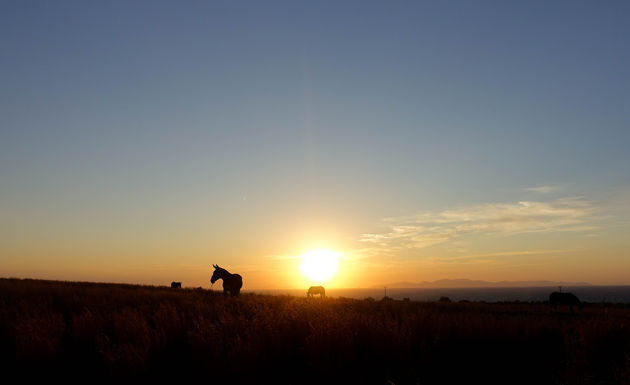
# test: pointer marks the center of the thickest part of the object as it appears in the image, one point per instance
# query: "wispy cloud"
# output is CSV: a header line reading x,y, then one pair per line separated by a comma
x,y
542,189
465,256
431,228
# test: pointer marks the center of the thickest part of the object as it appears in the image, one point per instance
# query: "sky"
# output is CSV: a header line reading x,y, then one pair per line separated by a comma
x,y
144,141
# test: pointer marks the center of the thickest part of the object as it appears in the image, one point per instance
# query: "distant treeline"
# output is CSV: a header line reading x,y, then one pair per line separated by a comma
x,y
106,332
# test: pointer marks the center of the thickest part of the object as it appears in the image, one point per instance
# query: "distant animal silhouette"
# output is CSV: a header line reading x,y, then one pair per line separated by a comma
x,y
232,283
176,285
569,299
314,290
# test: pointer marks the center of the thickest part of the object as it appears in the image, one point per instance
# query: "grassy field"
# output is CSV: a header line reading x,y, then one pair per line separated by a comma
x,y
109,332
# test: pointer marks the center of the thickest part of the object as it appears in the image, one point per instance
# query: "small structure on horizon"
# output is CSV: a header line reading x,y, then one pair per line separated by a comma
x,y
314,290
176,285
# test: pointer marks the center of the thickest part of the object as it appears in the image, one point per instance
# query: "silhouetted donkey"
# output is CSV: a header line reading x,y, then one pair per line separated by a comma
x,y
314,290
232,283
569,299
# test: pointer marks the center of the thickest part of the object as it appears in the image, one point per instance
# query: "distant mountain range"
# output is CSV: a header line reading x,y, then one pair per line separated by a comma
x,y
469,283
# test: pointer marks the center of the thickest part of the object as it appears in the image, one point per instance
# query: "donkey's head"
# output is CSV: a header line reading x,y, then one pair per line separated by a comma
x,y
218,273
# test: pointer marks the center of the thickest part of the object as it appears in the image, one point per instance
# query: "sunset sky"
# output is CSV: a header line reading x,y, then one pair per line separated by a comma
x,y
144,141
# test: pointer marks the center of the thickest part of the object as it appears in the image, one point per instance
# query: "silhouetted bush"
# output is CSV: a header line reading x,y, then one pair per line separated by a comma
x,y
104,332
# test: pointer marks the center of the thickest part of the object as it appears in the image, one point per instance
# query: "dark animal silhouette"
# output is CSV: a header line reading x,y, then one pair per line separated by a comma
x,y
569,299
314,290
232,283
176,285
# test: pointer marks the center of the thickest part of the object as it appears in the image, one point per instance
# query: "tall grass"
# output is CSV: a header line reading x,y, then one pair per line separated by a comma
x,y
107,332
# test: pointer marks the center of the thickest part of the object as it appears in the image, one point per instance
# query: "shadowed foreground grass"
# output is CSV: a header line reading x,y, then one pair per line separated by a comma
x,y
107,332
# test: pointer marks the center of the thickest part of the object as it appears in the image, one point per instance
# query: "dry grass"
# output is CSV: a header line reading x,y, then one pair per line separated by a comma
x,y
106,332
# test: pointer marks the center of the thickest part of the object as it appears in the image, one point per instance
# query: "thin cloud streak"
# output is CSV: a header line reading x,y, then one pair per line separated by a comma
x,y
432,228
541,189
505,254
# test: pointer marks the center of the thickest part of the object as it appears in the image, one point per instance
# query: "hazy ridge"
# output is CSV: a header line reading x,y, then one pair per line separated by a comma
x,y
469,283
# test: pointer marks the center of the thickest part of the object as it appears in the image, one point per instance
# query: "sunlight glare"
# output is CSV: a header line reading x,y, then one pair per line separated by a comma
x,y
320,265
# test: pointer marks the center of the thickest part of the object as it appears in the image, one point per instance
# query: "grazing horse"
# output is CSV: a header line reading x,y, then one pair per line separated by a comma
x,y
314,290
232,283
176,285
557,298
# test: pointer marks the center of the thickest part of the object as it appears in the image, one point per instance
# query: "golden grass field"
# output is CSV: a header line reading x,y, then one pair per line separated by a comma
x,y
92,332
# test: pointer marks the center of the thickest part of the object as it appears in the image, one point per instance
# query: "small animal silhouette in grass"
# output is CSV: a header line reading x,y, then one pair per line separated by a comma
x,y
315,290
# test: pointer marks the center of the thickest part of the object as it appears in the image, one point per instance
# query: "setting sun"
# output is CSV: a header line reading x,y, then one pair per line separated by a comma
x,y
320,265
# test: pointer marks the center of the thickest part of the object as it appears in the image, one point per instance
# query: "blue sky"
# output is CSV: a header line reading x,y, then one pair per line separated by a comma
x,y
250,129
